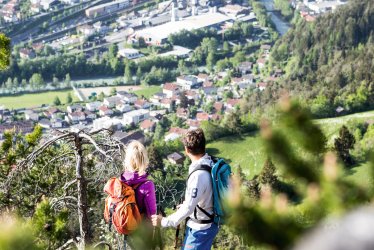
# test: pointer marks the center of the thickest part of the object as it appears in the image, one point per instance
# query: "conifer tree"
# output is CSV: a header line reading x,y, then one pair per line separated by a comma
x,y
343,144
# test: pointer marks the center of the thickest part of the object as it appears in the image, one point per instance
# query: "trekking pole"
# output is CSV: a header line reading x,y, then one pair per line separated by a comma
x,y
156,237
178,228
176,233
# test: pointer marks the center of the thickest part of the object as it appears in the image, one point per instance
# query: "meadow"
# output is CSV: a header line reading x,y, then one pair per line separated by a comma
x,y
34,100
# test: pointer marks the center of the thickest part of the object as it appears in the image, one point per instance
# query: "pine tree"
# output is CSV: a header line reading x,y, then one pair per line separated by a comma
x,y
155,158
69,98
267,175
128,73
183,100
343,144
57,101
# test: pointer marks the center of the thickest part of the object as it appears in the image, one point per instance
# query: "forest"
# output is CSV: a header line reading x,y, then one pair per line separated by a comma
x,y
329,62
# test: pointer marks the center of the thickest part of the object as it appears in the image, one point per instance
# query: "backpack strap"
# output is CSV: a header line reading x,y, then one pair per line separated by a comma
x,y
135,187
211,216
201,167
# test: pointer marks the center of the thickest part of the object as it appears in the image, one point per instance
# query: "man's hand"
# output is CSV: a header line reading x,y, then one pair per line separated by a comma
x,y
156,220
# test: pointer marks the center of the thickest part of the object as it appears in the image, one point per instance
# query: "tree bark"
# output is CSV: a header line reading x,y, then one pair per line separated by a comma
x,y
82,195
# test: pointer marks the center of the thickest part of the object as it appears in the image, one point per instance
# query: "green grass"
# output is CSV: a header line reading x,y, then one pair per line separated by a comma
x,y
148,91
331,126
34,100
360,174
246,151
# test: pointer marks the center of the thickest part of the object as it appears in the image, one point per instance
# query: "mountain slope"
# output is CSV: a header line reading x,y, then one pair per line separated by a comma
x,y
330,62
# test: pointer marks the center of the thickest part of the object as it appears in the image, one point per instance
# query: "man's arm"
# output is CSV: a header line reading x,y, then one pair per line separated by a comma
x,y
196,187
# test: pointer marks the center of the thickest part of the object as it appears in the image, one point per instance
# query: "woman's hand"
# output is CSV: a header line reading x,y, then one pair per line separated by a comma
x,y
156,220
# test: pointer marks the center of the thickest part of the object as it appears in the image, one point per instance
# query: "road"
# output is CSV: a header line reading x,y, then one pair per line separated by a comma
x,y
281,25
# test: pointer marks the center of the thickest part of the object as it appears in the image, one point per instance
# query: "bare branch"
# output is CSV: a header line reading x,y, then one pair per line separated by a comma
x,y
103,243
69,242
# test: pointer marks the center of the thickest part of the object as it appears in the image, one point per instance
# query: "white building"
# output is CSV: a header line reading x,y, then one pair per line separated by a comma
x,y
188,82
93,106
123,107
135,116
130,53
107,123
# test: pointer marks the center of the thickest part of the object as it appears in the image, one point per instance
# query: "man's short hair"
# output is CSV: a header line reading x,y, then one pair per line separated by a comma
x,y
194,141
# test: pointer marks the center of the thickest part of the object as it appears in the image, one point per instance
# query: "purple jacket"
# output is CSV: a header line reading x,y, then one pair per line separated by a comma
x,y
145,193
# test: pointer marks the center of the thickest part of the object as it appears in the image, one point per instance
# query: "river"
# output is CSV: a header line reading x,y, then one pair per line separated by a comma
x,y
281,25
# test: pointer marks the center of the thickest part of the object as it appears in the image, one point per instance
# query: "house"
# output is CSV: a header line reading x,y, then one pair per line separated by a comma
x,y
30,115
245,67
112,101
202,116
130,53
90,115
135,116
105,111
192,95
193,124
156,98
52,112
127,97
175,133
142,104
170,89
76,117
262,85
45,123
167,103
93,106
125,138
57,123
26,53
123,107
209,90
74,108
176,158
23,127
182,113
107,123
232,103
202,77
148,126
217,107
188,82
265,48
261,63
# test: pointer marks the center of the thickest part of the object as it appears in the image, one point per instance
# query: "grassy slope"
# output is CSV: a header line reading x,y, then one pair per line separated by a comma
x,y
248,151
34,100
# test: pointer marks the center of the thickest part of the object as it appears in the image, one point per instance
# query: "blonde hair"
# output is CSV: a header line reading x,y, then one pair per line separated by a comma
x,y
136,159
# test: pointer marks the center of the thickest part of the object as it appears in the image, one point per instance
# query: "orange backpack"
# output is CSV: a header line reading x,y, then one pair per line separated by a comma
x,y
120,206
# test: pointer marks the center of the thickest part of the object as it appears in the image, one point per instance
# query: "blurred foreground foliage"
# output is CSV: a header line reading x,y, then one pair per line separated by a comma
x,y
299,147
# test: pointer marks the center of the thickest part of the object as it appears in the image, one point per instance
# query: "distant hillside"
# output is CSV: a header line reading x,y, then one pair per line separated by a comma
x,y
330,62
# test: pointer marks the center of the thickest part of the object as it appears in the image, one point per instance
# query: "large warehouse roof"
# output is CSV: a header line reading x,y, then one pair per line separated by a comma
x,y
189,23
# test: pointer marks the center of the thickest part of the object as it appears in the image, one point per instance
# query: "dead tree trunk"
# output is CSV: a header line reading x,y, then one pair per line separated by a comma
x,y
82,195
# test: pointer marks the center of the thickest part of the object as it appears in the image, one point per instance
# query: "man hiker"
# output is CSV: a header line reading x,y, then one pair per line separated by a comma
x,y
198,203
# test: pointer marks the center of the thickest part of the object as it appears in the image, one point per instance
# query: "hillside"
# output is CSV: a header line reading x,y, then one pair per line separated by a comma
x,y
329,62
248,150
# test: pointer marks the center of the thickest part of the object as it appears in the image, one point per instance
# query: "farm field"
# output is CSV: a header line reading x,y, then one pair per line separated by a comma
x,y
34,100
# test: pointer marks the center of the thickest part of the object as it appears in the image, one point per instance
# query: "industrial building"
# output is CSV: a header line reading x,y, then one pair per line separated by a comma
x,y
158,35
107,8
